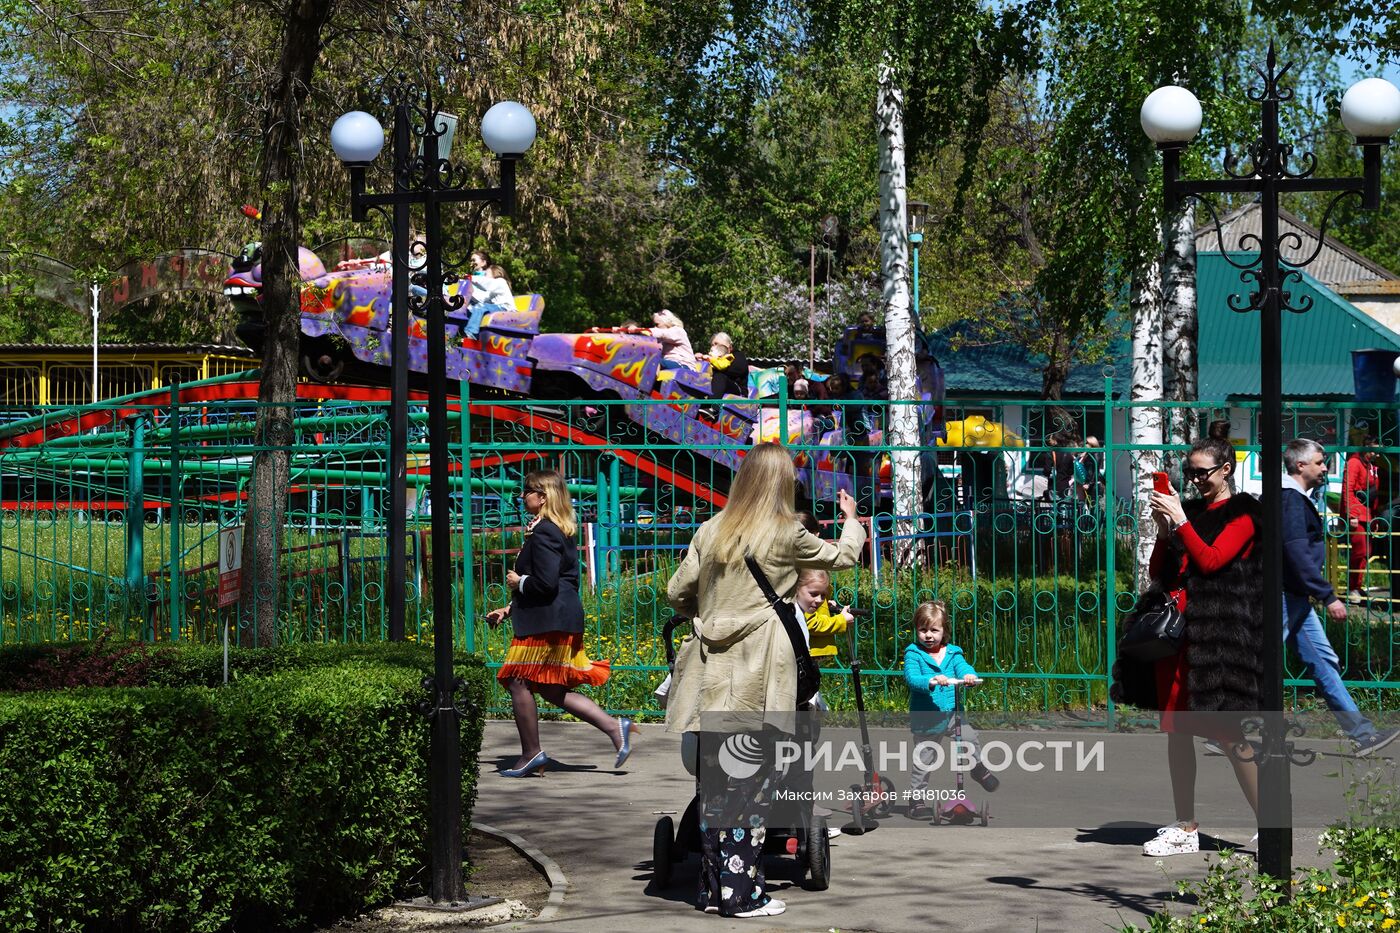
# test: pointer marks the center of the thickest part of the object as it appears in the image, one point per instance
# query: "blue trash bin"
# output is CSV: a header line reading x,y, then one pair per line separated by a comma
x,y
1373,372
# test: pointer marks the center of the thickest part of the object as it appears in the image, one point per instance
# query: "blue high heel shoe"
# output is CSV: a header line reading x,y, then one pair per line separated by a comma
x,y
625,726
530,767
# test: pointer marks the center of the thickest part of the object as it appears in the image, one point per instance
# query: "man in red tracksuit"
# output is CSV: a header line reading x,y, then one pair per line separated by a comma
x,y
1360,483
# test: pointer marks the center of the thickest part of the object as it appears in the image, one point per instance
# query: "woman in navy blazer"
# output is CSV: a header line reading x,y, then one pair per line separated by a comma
x,y
546,655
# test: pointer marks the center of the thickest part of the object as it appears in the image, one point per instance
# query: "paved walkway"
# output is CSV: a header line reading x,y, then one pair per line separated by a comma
x,y
598,823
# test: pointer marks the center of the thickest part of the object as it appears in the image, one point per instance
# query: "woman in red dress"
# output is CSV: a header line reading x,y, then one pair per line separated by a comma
x,y
1206,557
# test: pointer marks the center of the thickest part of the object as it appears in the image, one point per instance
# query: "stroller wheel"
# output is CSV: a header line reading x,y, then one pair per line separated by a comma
x,y
663,852
818,856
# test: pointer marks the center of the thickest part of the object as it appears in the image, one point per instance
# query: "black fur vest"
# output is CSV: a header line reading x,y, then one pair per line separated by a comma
x,y
1224,622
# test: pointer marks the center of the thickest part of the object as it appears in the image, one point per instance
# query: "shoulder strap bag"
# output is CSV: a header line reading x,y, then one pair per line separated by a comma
x,y
1154,629
809,676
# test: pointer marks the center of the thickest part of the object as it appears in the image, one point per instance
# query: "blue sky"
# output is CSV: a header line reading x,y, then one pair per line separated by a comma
x,y
1355,71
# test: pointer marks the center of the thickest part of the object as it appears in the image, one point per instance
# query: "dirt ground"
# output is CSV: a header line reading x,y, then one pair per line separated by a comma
x,y
498,870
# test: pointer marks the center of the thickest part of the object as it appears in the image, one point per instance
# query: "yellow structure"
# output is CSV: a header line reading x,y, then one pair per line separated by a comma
x,y
977,431
36,375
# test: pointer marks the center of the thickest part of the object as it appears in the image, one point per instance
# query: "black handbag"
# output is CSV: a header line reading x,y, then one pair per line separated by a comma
x,y
1154,629
809,676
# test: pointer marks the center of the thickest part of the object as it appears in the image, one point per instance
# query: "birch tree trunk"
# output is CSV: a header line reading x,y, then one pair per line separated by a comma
x,y
1179,331
281,307
1145,424
900,364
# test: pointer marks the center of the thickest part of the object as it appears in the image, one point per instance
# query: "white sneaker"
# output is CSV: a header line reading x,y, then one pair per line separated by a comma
x,y
770,909
1173,840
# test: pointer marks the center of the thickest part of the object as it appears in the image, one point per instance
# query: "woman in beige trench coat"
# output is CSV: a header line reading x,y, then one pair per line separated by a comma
x,y
740,661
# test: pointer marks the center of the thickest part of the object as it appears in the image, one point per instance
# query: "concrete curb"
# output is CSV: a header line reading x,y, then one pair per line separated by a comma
x,y
558,883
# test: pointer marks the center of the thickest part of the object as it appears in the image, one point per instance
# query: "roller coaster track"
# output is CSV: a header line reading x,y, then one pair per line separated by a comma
x,y
36,431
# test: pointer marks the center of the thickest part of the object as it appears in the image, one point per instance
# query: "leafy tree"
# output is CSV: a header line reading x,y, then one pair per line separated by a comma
x,y
128,141
1103,61
943,58
776,324
1357,28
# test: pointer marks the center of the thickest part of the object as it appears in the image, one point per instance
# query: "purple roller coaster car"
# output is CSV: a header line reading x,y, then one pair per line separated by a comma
x,y
345,334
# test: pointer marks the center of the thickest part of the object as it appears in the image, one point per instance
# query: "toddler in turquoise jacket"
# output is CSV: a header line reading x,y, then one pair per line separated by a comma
x,y
931,669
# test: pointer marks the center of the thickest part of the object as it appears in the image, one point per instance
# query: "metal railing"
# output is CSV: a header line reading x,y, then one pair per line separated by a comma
x,y
112,516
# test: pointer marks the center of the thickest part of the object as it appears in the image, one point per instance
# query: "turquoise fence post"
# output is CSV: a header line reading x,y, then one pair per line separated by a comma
x,y
135,511
782,437
1110,539
176,538
615,500
600,540
468,561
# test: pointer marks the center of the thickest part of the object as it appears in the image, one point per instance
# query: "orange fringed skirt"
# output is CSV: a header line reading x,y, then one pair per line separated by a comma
x,y
553,658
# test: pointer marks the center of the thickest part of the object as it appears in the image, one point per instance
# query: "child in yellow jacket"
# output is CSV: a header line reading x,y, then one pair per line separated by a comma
x,y
813,597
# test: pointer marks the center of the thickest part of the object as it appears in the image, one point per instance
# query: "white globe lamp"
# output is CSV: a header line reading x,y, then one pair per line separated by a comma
x,y
508,129
357,138
1371,109
1171,116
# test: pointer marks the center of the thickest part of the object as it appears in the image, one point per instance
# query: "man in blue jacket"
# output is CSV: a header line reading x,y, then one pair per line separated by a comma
x,y
1304,553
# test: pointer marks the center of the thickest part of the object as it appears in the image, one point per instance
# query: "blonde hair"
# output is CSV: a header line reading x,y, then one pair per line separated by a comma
x,y
929,612
813,575
760,509
664,318
498,272
558,507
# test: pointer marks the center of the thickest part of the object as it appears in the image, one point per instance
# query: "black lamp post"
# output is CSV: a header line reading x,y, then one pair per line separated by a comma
x,y
429,179
1171,116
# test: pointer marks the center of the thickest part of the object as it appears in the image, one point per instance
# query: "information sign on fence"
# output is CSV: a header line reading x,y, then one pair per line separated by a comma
x,y
230,565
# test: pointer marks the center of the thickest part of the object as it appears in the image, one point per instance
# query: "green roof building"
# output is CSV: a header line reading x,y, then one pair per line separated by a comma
x,y
1316,346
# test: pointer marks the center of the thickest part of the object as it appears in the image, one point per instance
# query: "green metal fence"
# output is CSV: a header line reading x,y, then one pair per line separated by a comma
x,y
112,516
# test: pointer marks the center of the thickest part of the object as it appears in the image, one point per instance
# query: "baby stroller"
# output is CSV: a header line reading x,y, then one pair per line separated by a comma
x,y
792,828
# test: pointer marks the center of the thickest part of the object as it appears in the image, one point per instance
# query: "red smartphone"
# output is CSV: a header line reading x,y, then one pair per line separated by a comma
x,y
1161,484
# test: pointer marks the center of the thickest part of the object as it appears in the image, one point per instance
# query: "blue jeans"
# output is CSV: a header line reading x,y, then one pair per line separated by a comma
x,y
1303,632
478,313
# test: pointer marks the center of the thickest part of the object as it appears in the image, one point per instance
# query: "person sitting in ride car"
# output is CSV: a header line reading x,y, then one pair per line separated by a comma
x,y
490,290
676,351
729,369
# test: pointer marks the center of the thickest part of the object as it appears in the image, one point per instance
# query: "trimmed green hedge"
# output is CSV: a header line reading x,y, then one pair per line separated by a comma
x,y
297,794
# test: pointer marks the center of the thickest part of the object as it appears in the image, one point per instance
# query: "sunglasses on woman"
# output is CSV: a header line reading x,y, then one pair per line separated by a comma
x,y
1196,474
